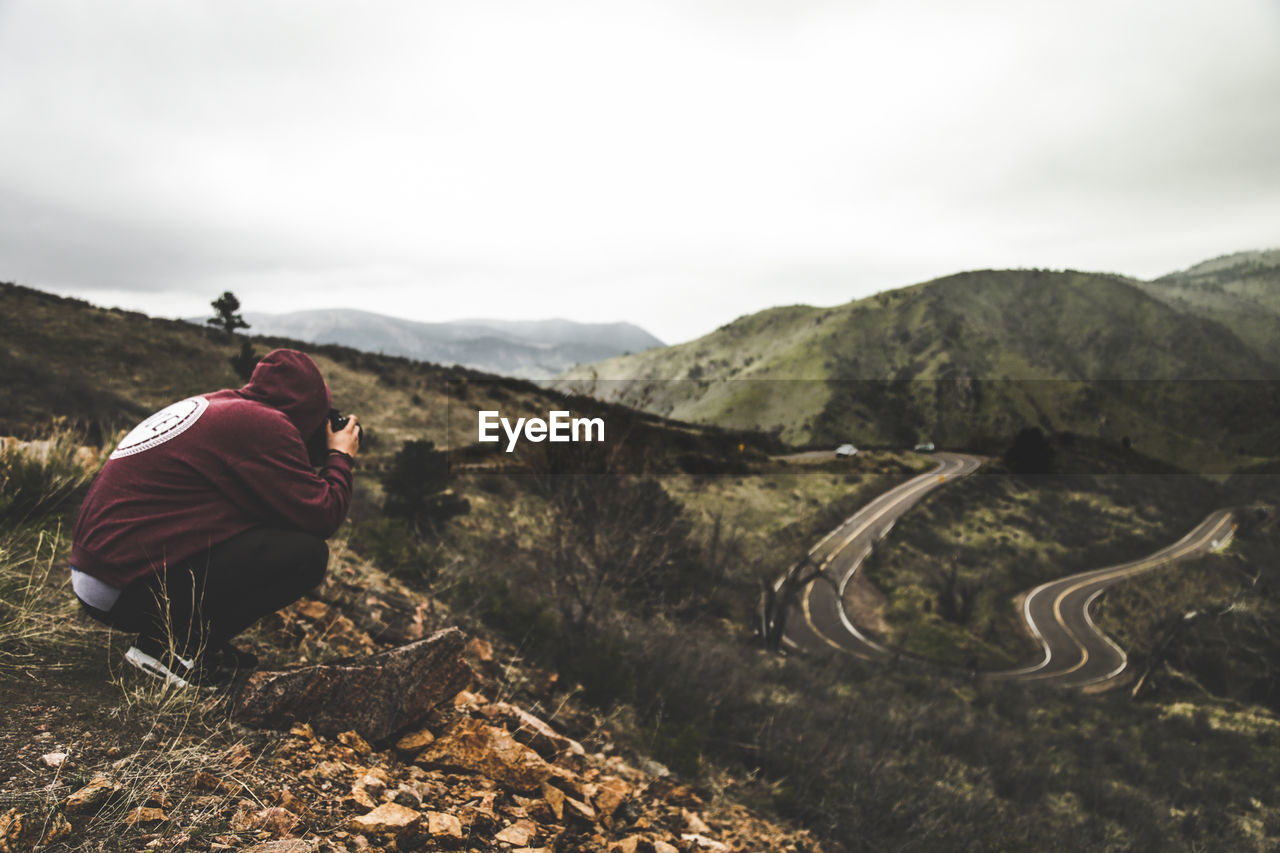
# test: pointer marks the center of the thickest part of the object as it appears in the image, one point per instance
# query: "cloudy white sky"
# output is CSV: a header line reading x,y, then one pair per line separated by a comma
x,y
675,164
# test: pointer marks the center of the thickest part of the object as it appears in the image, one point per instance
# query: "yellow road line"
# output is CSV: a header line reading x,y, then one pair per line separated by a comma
x,y
908,489
1112,575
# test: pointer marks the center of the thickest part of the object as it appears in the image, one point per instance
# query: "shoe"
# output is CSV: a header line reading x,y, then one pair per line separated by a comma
x,y
154,657
221,654
207,670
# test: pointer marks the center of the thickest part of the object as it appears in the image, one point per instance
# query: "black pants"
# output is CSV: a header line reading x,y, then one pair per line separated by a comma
x,y
210,598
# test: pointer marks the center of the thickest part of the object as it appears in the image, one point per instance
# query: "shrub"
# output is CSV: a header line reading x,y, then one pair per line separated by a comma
x,y
39,477
417,488
36,480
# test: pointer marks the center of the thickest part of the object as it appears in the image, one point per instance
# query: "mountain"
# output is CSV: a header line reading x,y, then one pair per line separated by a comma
x,y
528,349
100,370
662,672
1241,291
967,361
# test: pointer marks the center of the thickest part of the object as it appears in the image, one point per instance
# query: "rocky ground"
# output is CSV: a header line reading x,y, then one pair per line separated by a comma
x,y
95,758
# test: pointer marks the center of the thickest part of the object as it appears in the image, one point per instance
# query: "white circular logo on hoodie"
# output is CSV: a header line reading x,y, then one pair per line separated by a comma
x,y
169,422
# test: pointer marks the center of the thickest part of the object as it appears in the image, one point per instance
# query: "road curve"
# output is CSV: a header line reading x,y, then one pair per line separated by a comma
x,y
1075,652
822,621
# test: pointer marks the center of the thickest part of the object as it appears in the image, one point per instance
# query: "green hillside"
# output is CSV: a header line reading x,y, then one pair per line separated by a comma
x,y
1241,291
618,609
967,360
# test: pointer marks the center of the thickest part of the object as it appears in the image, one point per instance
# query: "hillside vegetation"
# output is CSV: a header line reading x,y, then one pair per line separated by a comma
x,y
103,370
967,361
621,607
1240,291
953,571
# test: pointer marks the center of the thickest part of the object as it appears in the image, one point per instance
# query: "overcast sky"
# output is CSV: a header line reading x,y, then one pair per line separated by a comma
x,y
674,164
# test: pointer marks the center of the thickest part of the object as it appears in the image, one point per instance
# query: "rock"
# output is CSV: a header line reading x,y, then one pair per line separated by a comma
x,y
376,696
569,782
237,755
406,796
472,746
694,823
481,808
331,770
533,732
17,833
664,847
206,781
288,845
386,615
580,810
353,740
441,825
145,814
701,842
653,768
313,610
683,795
480,650
630,844
54,760
554,798
287,799
276,820
415,742
610,793
59,827
386,819
359,799
20,833
518,834
93,796
243,816
367,790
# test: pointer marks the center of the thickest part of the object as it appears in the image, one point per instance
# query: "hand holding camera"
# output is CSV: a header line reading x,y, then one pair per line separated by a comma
x,y
344,433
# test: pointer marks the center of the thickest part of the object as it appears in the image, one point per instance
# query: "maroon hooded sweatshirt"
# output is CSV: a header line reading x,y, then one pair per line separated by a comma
x,y
208,468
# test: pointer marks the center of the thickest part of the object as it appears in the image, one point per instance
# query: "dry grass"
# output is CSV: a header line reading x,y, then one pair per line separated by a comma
x,y
29,617
183,731
37,480
167,734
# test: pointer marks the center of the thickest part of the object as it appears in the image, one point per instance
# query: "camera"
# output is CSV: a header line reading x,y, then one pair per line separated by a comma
x,y
338,421
318,444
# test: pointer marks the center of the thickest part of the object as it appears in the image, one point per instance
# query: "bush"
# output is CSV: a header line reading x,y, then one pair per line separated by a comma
x,y
244,362
617,542
417,488
1030,453
390,544
36,480
39,478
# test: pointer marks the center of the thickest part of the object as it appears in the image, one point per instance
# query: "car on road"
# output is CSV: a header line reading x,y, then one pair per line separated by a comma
x,y
925,447
845,451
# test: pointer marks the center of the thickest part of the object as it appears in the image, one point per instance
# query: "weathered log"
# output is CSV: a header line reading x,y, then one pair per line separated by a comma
x,y
377,696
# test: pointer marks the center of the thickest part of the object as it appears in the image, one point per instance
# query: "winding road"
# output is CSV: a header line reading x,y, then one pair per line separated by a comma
x,y
1075,652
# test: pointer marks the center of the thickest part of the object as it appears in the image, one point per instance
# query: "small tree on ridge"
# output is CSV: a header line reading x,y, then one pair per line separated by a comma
x,y
227,317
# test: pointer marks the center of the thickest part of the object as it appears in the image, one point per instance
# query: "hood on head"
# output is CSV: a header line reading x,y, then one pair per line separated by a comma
x,y
289,380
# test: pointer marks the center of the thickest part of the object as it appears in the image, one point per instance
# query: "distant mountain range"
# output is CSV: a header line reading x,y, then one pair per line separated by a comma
x,y
969,359
534,349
